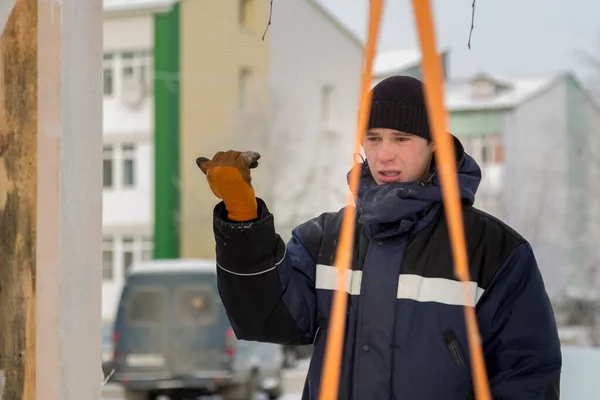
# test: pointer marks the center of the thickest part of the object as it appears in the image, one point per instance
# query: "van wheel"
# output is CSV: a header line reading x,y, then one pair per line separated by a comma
x,y
245,391
277,391
131,395
180,397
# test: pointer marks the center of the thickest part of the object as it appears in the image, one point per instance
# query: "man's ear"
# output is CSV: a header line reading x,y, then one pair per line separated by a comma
x,y
359,158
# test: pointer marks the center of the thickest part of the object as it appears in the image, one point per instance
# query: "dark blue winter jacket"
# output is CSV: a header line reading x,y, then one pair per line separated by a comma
x,y
405,334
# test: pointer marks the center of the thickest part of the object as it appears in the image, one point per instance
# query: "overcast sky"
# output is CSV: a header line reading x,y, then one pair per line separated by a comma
x,y
510,36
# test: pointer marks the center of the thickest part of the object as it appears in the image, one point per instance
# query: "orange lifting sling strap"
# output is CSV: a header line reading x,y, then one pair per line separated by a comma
x,y
434,93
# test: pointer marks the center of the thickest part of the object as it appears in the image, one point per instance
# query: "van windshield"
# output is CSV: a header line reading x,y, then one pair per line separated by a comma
x,y
146,306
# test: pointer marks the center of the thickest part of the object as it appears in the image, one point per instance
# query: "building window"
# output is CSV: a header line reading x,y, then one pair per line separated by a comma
x,y
119,253
107,166
128,61
147,248
135,65
498,147
107,259
244,86
127,68
108,82
486,150
128,154
245,12
128,253
120,165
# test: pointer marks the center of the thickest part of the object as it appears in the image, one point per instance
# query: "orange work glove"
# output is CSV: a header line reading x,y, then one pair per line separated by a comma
x,y
228,175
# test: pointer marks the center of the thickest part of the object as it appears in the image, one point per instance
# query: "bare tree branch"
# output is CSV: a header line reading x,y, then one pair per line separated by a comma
x,y
268,23
472,22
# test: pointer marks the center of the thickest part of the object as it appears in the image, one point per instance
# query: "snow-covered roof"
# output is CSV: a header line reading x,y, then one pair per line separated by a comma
x,y
391,62
160,267
515,90
136,5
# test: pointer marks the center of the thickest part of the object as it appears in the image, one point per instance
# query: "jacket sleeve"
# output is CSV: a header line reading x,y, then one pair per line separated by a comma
x,y
267,288
519,332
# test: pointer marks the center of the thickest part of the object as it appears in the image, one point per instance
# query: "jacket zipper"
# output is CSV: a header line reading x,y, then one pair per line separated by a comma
x,y
454,348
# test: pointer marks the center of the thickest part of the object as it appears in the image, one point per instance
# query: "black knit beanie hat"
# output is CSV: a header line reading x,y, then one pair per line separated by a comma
x,y
399,103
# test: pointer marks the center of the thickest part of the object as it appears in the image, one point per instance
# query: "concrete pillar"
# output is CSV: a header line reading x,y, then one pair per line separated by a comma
x,y
50,200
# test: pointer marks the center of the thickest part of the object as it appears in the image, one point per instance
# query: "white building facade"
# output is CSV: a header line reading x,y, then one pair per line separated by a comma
x,y
532,136
314,72
128,177
536,139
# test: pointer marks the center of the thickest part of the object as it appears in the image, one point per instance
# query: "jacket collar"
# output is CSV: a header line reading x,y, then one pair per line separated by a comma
x,y
394,208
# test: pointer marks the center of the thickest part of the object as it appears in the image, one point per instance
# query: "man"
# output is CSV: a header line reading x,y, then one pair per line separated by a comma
x,y
405,334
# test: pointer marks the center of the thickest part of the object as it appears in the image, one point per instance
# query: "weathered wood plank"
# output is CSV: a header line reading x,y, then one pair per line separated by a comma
x,y
18,170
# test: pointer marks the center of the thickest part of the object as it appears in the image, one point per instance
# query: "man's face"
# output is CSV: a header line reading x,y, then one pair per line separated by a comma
x,y
396,156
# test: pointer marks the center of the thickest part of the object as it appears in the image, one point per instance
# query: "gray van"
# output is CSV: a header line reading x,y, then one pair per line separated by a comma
x,y
172,337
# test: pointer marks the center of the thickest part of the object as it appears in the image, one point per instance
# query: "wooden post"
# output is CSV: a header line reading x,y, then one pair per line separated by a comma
x,y
18,166
51,200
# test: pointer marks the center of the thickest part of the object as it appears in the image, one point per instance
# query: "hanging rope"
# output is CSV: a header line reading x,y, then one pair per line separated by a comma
x,y
333,352
445,159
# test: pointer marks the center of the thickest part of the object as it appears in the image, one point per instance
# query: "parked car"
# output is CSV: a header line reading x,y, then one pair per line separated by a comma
x,y
172,337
